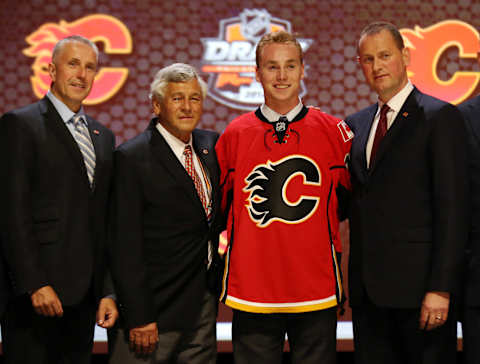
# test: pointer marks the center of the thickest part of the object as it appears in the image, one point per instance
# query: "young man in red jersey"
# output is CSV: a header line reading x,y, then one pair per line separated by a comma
x,y
283,173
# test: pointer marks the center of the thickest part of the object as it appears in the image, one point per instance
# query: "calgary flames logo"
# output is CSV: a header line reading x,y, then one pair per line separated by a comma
x,y
230,58
98,28
427,46
277,191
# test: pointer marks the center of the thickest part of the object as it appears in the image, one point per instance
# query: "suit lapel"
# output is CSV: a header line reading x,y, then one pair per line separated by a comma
x,y
205,150
474,112
360,142
95,137
164,155
55,123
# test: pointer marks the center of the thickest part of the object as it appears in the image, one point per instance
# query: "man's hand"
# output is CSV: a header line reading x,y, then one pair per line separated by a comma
x,y
434,310
144,339
46,302
107,313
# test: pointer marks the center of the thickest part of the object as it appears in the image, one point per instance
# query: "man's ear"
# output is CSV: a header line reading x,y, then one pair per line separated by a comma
x,y
52,71
156,106
257,76
406,56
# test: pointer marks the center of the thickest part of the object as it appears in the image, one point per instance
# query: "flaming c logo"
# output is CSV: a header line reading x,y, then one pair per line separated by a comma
x,y
427,46
98,28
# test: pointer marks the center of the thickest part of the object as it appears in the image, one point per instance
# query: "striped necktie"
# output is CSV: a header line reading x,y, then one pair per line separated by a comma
x,y
84,142
196,179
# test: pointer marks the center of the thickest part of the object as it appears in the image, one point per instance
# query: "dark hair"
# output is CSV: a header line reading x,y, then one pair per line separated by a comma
x,y
378,26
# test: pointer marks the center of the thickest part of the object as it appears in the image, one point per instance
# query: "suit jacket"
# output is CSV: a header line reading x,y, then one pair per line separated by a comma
x,y
53,224
409,213
471,114
160,230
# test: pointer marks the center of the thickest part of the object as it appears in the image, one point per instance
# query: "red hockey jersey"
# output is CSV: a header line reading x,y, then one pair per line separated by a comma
x,y
283,222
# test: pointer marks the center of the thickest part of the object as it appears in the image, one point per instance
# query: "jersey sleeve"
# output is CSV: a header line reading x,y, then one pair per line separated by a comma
x,y
226,160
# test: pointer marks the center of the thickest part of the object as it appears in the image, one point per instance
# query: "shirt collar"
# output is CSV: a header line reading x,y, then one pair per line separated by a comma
x,y
397,101
172,140
273,116
65,113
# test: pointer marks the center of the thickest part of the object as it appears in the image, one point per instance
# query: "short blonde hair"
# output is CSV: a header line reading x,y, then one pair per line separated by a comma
x,y
281,37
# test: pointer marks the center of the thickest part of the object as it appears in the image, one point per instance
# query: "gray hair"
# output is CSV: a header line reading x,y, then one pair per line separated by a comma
x,y
177,72
73,38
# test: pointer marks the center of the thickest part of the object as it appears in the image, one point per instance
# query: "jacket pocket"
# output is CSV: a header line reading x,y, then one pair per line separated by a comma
x,y
46,225
414,235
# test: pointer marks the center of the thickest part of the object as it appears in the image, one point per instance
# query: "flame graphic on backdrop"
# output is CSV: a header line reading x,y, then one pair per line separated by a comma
x,y
427,46
98,28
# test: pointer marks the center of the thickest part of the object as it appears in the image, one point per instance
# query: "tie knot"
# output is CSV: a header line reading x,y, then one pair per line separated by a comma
x,y
383,111
188,150
77,121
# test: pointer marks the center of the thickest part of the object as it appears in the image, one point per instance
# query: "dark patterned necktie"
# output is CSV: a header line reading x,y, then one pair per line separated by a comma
x,y
380,132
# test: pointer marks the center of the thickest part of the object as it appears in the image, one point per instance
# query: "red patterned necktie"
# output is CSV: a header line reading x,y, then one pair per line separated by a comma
x,y
380,132
196,179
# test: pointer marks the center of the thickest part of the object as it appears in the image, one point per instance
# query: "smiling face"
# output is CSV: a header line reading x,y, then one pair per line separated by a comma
x,y
383,64
280,71
180,109
72,72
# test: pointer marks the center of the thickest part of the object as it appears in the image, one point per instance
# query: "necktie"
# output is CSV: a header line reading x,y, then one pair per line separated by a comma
x,y
85,144
380,132
196,179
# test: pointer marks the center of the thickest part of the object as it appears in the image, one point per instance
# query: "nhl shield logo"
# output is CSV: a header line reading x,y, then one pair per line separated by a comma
x,y
255,23
229,59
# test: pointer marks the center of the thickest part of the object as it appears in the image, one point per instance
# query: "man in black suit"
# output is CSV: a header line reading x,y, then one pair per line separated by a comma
x,y
54,216
165,231
471,311
409,214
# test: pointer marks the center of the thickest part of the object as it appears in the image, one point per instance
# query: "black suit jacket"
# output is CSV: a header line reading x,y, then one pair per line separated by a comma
x,y
409,213
160,230
471,114
53,224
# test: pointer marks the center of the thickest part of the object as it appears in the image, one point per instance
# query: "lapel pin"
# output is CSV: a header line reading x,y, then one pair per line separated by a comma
x,y
405,114
205,151
95,131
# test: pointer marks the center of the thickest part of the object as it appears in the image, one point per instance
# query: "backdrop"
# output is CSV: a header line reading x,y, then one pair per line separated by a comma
x,y
138,37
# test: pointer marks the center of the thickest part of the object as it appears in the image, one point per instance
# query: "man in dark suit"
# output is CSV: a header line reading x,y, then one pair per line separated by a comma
x,y
165,229
54,216
471,310
409,212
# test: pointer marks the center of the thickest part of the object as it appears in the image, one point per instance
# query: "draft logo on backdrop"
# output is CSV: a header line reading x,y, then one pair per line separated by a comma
x,y
106,29
229,59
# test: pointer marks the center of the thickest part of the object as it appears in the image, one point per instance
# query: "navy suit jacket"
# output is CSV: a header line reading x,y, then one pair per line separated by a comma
x,y
53,224
409,212
160,230
471,114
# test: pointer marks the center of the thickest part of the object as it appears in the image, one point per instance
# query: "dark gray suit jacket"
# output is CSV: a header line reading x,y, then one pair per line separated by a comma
x,y
409,214
53,224
160,230
471,114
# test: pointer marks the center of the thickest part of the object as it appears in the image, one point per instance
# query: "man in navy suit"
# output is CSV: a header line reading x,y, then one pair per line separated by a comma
x,y
54,216
471,311
409,213
165,230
